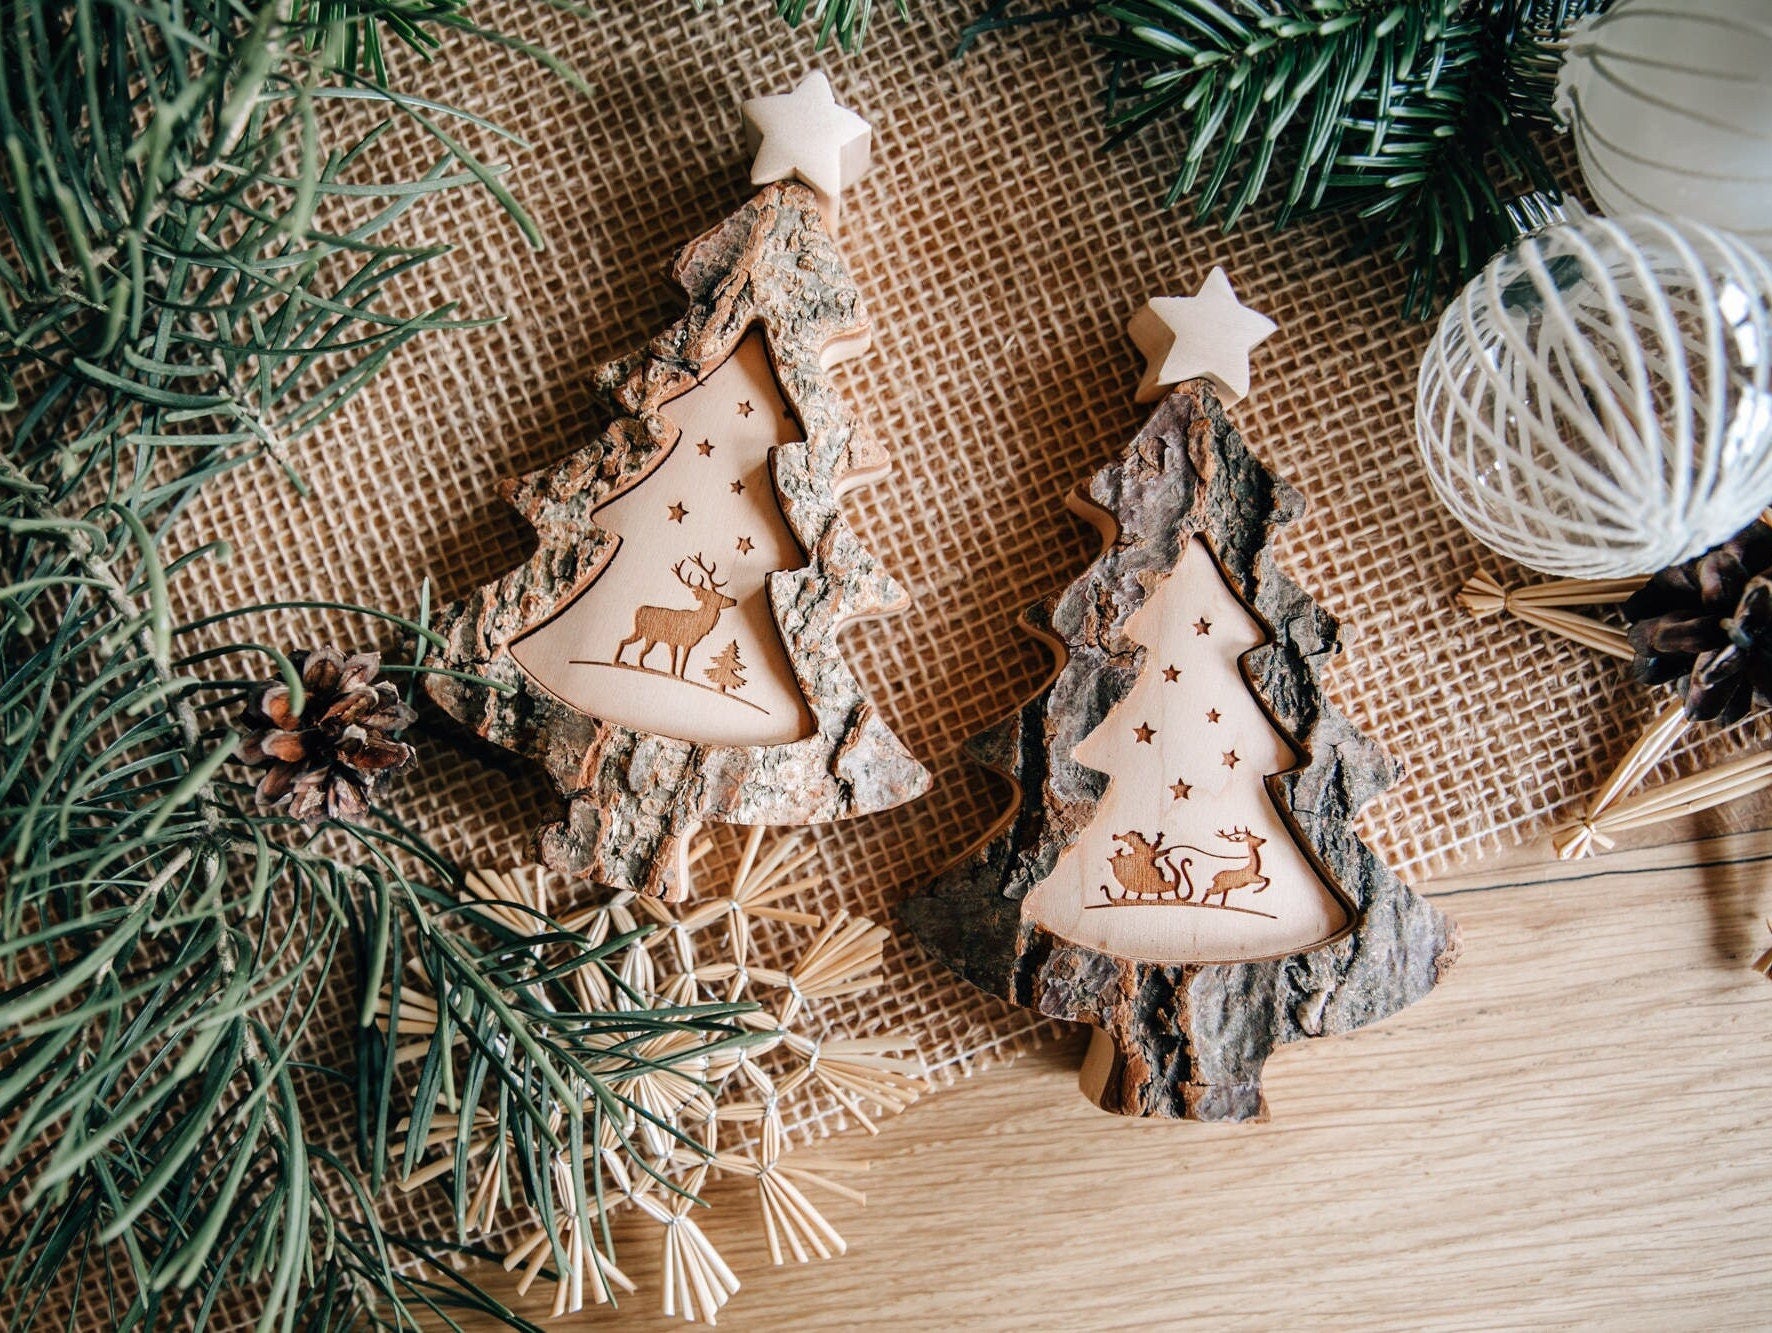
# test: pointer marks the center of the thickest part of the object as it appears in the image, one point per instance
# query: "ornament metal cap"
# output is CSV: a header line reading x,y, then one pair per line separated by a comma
x,y
1535,211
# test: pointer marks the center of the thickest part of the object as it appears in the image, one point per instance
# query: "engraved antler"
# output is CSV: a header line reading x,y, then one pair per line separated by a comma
x,y
1233,834
710,571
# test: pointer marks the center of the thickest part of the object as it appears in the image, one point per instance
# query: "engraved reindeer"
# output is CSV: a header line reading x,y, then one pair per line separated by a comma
x,y
680,629
1246,876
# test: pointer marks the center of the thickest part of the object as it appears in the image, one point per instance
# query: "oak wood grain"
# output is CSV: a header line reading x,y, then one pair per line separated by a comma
x,y
1576,1128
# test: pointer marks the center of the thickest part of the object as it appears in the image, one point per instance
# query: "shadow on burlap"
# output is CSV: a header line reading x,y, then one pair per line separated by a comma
x,y
1000,253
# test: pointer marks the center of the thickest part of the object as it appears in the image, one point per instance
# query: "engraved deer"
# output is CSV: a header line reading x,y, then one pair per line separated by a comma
x,y
680,629
1246,876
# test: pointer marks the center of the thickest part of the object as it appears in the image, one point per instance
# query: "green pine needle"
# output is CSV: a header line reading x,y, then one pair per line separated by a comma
x,y
845,20
1411,115
1250,85
193,278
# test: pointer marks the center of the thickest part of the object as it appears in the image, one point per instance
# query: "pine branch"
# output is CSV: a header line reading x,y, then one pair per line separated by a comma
x,y
1535,33
1411,114
1435,158
182,274
846,20
1298,66
193,277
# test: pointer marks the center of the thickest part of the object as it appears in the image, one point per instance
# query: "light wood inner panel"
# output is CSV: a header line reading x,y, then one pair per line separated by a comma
x,y
1188,859
674,635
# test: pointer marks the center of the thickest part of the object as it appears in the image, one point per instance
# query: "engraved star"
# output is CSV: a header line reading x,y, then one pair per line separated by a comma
x,y
1171,673
1212,715
738,488
1144,731
745,545
1230,758
745,409
677,513
1202,626
1179,789
705,448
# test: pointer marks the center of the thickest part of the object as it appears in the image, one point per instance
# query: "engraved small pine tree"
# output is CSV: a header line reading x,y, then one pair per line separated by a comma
x,y
1188,858
727,672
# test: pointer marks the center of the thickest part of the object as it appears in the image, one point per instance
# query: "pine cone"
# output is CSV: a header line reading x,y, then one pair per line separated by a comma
x,y
324,761
1706,626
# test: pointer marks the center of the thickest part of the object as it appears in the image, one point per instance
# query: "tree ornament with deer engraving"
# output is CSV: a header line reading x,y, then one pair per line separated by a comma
x,y
669,651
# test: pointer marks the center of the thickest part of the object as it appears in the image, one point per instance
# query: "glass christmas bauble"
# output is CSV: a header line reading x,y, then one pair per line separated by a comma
x,y
1597,403
1671,109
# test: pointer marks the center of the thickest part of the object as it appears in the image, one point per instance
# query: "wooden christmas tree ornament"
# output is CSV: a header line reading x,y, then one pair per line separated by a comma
x,y
669,651
1179,866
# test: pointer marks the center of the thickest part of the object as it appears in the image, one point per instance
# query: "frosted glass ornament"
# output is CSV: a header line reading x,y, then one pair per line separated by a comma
x,y
1671,109
1597,403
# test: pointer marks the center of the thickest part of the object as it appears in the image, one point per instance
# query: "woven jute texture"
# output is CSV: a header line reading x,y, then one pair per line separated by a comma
x,y
1000,252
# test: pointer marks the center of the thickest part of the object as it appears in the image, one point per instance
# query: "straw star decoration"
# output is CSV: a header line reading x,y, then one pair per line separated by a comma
x,y
1626,799
693,1107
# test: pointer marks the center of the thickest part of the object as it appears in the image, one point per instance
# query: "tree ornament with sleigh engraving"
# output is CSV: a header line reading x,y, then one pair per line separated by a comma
x,y
669,651
1179,867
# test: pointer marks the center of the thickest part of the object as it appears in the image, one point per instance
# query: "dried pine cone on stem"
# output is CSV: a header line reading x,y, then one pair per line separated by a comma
x,y
324,759
1705,626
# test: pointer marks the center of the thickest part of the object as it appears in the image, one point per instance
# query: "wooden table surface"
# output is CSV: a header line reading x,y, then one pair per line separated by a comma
x,y
1576,1128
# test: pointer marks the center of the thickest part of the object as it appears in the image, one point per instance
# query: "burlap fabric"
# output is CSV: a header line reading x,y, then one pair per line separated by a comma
x,y
1001,253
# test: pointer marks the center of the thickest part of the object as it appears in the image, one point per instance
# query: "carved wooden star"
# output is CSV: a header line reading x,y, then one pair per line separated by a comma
x,y
738,488
1230,758
1179,789
806,134
677,513
1212,715
705,448
1144,731
1205,336
1171,673
745,545
745,409
1202,626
